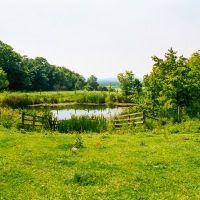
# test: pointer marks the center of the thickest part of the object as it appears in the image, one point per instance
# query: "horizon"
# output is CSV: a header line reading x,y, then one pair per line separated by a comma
x,y
101,38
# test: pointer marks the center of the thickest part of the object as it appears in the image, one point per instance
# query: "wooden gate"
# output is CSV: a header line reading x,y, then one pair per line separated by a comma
x,y
34,121
129,119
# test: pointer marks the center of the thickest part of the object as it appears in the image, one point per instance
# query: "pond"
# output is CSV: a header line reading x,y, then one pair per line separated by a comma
x,y
66,112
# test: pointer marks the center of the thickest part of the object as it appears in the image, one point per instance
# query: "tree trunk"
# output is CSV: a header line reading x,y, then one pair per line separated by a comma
x,y
179,114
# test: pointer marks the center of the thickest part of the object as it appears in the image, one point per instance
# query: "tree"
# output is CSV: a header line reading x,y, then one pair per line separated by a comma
x,y
170,83
102,88
80,82
11,63
3,79
194,64
36,74
39,70
91,83
153,87
129,84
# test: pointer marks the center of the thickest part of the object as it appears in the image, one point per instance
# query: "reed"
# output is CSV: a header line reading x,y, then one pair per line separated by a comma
x,y
16,101
82,124
23,99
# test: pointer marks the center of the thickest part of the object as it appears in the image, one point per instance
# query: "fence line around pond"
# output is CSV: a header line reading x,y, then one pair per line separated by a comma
x,y
34,120
119,121
131,119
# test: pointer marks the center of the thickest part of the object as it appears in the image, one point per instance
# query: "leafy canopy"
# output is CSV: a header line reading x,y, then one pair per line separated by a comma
x,y
129,84
172,82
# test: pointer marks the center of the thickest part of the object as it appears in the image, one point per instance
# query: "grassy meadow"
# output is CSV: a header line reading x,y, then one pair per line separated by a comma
x,y
127,164
90,159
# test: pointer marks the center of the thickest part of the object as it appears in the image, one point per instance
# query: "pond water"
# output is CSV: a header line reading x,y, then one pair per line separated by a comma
x,y
67,112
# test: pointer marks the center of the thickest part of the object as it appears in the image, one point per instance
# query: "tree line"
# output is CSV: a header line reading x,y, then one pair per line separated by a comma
x,y
174,82
19,72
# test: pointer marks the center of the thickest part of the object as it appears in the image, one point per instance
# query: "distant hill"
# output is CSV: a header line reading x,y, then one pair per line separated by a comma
x,y
108,81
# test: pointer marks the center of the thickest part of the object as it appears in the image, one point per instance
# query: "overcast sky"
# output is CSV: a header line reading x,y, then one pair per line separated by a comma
x,y
101,37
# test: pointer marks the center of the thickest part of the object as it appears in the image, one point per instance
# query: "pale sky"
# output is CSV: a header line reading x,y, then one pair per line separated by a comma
x,y
101,37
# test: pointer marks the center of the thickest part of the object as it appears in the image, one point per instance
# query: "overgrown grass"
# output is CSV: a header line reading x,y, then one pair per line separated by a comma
x,y
82,124
22,99
9,118
127,165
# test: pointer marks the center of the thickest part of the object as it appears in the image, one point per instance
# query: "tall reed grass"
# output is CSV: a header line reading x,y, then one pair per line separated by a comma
x,y
23,99
16,101
82,124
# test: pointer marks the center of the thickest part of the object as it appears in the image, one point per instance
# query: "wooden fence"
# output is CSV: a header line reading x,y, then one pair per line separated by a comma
x,y
34,121
131,119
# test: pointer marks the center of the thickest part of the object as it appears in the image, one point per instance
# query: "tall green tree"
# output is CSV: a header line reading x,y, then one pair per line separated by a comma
x,y
37,74
152,87
11,63
91,83
3,79
39,70
170,84
129,83
194,64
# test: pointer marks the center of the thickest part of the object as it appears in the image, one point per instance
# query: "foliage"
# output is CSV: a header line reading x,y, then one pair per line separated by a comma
x,y
8,117
194,64
102,88
129,84
45,76
19,99
25,73
3,79
91,97
91,83
11,63
78,142
171,82
81,124
16,101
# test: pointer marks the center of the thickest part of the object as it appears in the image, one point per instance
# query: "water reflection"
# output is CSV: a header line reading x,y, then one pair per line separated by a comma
x,y
66,113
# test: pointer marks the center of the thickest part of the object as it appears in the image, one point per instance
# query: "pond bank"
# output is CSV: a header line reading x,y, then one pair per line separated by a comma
x,y
74,103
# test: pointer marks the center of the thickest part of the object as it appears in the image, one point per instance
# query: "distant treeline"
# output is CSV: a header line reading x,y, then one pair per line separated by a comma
x,y
19,72
114,82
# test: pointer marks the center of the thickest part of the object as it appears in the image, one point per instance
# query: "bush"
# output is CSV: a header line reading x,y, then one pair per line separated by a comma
x,y
8,117
18,101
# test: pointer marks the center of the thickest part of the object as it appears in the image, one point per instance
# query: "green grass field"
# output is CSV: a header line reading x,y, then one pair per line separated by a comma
x,y
144,165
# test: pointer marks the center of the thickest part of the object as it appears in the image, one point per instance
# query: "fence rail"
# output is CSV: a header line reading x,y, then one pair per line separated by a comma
x,y
132,119
33,120
129,119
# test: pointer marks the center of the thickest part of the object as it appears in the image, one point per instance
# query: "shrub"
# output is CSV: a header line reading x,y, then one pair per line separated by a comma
x,y
8,117
79,142
16,101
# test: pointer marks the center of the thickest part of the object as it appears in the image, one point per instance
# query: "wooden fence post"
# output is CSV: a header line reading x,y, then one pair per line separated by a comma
x,y
144,116
33,120
23,118
179,114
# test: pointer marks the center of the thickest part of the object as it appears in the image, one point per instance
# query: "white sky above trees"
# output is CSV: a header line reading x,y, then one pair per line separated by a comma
x,y
101,37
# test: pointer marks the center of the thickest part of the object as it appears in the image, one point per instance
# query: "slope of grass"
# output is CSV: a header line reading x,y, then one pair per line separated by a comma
x,y
106,166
